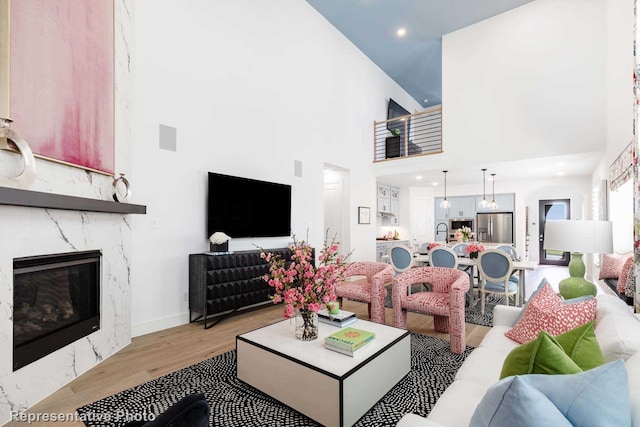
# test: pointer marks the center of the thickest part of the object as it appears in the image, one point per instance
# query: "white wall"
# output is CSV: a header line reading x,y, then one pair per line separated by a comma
x,y
527,83
250,89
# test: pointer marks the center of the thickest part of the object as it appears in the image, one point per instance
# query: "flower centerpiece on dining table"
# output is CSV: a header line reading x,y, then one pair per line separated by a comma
x,y
473,250
463,234
432,245
305,288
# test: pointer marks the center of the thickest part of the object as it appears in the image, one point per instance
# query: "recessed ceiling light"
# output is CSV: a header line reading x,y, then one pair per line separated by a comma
x,y
401,32
418,177
560,173
434,183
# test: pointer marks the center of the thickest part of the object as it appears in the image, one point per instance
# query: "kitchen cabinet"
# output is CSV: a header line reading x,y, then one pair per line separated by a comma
x,y
394,193
384,191
389,204
384,205
441,213
395,211
462,207
506,203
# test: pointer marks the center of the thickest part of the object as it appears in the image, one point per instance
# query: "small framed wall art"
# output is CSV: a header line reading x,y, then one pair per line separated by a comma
x,y
364,215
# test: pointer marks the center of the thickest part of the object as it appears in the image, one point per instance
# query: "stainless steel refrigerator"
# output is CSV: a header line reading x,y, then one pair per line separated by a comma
x,y
495,227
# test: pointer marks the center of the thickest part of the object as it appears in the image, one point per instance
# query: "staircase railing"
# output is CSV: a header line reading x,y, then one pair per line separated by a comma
x,y
413,135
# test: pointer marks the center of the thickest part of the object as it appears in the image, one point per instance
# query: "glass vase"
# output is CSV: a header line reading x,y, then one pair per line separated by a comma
x,y
306,325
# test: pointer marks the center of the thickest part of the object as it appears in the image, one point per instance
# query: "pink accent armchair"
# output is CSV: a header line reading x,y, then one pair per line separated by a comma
x,y
372,292
445,302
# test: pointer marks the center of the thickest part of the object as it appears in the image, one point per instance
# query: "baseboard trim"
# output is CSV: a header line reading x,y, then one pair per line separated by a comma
x,y
156,325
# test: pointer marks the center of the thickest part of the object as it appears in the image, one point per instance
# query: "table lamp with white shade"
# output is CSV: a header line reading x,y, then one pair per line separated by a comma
x,y
578,237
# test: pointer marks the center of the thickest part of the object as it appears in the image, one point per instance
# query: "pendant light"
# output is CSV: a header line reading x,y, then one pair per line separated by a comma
x,y
445,203
493,204
484,203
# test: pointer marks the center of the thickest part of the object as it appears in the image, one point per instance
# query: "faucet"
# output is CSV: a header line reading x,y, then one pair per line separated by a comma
x,y
446,231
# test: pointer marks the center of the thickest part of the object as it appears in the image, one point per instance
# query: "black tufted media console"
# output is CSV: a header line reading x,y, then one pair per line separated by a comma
x,y
220,285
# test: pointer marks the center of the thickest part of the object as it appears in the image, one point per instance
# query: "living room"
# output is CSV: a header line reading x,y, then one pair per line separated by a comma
x,y
250,89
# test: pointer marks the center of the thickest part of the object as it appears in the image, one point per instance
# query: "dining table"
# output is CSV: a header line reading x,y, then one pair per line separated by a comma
x,y
518,265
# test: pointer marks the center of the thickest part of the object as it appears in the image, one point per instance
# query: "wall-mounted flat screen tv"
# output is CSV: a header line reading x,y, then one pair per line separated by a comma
x,y
242,207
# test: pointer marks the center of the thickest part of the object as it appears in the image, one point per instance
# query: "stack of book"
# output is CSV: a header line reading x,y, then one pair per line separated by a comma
x,y
342,319
348,340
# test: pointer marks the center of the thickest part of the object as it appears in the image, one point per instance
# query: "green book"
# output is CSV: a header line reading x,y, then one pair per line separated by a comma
x,y
349,338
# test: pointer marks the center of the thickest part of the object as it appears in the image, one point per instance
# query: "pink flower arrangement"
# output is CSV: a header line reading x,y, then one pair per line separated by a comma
x,y
474,249
300,284
433,245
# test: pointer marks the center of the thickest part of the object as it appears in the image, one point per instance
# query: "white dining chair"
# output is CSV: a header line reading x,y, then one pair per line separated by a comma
x,y
401,258
495,269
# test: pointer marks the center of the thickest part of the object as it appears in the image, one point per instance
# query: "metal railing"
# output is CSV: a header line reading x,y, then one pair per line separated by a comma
x,y
413,135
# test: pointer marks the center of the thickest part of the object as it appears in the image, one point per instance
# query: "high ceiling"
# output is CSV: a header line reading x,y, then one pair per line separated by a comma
x,y
414,60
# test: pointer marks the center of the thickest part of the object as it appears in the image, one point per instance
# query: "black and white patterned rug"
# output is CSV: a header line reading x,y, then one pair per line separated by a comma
x,y
472,314
233,403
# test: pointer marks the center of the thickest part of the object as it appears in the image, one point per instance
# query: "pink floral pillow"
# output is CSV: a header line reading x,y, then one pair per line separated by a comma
x,y
612,265
545,311
624,274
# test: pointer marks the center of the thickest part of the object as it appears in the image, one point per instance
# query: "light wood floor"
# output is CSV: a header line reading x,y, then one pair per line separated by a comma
x,y
153,355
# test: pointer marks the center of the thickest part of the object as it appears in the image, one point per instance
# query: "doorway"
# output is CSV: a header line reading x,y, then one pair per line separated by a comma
x,y
553,209
335,206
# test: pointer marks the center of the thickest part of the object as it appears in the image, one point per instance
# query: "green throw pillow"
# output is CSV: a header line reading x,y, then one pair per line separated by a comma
x,y
544,355
581,346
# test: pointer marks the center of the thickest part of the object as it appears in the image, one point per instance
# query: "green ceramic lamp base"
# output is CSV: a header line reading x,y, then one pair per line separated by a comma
x,y
576,285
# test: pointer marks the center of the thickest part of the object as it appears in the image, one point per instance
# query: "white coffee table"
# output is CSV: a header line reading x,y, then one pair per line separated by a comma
x,y
328,387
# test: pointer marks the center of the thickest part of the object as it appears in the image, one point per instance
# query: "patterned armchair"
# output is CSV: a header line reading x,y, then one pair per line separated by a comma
x,y
445,303
372,292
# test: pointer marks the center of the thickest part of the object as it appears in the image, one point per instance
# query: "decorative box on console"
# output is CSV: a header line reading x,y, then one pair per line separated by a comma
x,y
220,248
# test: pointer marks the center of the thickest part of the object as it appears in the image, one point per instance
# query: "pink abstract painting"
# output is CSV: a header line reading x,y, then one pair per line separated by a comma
x,y
62,79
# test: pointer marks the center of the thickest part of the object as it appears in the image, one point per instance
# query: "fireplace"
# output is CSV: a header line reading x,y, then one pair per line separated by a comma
x,y
56,301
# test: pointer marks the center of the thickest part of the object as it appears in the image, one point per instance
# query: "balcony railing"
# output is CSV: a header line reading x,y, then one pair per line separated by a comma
x,y
417,134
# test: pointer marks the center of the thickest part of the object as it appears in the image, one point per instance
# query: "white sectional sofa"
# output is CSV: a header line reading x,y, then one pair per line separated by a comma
x,y
617,331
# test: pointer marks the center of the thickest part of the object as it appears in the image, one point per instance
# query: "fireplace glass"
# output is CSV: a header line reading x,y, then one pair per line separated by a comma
x,y
55,302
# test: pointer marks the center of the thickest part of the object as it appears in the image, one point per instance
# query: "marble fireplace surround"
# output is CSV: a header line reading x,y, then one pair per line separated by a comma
x,y
30,231
46,223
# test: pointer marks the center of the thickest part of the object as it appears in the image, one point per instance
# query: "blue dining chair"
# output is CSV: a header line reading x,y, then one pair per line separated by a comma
x,y
495,268
511,250
401,258
515,256
460,249
442,256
